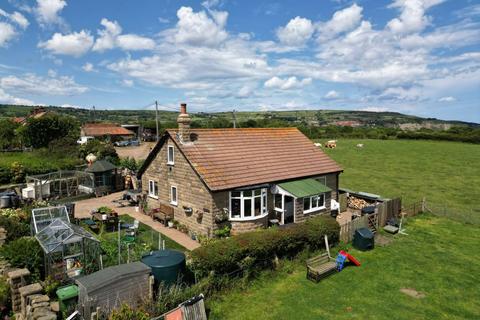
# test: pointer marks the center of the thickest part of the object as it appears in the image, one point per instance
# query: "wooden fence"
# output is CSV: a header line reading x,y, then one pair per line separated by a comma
x,y
384,211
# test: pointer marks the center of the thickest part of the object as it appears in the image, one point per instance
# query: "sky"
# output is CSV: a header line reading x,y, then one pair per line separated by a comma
x,y
419,57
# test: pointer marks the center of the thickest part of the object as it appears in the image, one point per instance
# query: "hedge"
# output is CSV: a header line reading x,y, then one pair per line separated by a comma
x,y
229,255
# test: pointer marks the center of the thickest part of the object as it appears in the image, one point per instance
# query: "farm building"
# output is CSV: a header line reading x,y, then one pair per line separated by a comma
x,y
107,289
105,131
247,178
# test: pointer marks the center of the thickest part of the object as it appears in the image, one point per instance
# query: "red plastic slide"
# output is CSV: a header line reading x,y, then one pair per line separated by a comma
x,y
350,258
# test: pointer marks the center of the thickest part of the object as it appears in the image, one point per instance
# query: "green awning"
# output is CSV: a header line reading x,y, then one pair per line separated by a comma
x,y
304,188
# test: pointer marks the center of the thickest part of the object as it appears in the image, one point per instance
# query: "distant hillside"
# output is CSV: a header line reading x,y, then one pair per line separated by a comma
x,y
310,117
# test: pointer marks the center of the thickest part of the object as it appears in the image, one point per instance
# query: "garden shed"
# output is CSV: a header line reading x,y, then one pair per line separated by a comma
x,y
69,250
107,289
105,176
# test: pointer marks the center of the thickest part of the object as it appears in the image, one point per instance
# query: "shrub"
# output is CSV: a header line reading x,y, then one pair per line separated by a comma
x,y
128,313
4,293
14,226
24,253
229,255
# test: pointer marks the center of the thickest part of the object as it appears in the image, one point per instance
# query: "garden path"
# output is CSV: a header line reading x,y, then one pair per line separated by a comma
x,y
84,207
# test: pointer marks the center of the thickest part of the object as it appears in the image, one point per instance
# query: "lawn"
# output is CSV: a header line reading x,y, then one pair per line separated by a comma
x,y
446,173
146,241
437,259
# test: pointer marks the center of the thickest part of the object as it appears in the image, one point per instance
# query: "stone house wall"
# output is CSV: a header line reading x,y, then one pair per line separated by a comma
x,y
191,191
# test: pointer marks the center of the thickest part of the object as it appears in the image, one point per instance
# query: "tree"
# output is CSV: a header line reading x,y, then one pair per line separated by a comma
x,y
7,133
39,132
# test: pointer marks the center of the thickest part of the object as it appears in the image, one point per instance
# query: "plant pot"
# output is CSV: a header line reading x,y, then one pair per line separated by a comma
x,y
170,224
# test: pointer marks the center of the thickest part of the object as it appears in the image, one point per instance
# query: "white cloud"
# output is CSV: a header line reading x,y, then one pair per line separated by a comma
x,y
16,18
163,20
111,37
47,12
198,29
412,17
342,21
286,83
9,99
127,83
296,33
447,99
88,67
74,44
331,95
74,106
7,33
37,85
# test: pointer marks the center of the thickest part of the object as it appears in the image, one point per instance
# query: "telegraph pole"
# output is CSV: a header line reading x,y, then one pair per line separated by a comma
x,y
94,114
234,119
156,118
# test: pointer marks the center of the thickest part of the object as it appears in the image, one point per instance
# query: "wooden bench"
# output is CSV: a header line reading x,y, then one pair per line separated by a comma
x,y
320,267
164,213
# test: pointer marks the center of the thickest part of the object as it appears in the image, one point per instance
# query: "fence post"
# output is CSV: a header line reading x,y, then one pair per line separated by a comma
x,y
423,204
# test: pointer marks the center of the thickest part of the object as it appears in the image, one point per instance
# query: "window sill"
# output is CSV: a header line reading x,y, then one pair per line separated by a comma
x,y
174,203
153,197
249,218
314,210
170,163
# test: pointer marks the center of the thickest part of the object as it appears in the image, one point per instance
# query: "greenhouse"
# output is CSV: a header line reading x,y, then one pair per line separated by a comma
x,y
58,184
70,250
42,217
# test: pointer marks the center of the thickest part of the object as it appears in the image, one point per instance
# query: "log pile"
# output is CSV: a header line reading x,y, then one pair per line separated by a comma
x,y
356,203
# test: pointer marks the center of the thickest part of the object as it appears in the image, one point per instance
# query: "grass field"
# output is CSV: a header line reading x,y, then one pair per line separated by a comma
x,y
446,173
437,259
39,161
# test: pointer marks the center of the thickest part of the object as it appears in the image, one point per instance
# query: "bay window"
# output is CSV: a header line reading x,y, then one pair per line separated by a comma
x,y
313,203
248,204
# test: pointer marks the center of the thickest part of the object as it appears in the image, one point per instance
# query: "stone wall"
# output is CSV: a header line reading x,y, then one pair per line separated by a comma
x,y
191,191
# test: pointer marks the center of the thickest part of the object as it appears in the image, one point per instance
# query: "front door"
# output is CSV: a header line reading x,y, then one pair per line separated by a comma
x,y
288,208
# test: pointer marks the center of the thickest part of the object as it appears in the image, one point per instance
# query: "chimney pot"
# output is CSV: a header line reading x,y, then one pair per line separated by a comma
x,y
183,121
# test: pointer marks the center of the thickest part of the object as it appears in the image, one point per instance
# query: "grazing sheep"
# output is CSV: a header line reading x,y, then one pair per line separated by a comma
x,y
360,145
331,144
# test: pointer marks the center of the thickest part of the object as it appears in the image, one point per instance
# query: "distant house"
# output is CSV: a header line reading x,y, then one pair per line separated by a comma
x,y
36,113
348,123
244,177
107,131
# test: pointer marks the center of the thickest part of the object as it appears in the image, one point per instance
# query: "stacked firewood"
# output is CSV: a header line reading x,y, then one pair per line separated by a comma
x,y
356,203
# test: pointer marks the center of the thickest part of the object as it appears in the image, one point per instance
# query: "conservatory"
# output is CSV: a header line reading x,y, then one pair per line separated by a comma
x,y
70,250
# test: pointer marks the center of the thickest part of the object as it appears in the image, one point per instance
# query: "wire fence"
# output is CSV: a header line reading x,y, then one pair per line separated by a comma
x,y
469,215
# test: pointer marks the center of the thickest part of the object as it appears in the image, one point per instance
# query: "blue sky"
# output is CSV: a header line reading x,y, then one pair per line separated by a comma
x,y
418,57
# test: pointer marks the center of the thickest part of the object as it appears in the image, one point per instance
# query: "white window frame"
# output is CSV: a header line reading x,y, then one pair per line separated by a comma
x,y
151,189
263,205
317,206
171,161
172,201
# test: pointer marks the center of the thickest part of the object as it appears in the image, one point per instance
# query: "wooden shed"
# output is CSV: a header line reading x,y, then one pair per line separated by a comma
x,y
107,289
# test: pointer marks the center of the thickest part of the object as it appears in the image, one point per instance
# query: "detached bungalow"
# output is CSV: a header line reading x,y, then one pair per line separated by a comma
x,y
247,178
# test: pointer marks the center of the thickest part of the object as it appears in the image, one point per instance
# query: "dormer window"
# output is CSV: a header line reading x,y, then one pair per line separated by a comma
x,y
170,156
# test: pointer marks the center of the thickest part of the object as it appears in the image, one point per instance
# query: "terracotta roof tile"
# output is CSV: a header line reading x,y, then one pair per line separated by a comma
x,y
230,158
105,129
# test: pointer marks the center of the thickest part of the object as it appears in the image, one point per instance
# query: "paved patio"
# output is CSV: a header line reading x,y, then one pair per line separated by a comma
x,y
84,207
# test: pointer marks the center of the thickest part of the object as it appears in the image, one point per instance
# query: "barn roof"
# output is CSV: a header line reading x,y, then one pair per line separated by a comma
x,y
231,158
105,129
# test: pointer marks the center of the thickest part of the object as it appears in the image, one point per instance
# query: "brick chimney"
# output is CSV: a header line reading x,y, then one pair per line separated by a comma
x,y
183,121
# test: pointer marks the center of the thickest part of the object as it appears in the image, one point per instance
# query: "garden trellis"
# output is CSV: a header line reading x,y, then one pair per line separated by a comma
x,y
69,250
